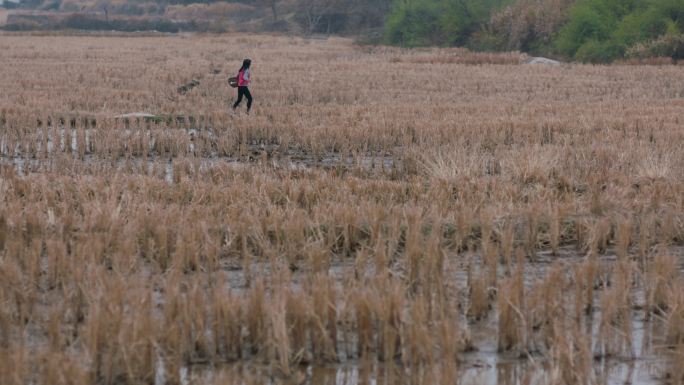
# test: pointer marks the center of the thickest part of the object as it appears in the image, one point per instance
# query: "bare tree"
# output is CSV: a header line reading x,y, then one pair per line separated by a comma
x,y
272,4
311,12
104,5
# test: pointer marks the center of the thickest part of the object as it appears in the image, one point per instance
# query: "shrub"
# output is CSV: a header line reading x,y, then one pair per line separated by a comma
x,y
590,22
603,30
667,45
595,51
413,23
528,24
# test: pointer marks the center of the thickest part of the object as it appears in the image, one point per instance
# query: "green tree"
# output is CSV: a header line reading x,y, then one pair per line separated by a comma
x,y
412,23
437,22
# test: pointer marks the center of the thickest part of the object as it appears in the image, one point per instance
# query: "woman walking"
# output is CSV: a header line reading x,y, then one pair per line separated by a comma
x,y
244,78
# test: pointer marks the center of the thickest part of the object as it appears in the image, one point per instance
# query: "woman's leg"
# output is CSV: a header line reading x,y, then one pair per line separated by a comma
x,y
249,99
241,91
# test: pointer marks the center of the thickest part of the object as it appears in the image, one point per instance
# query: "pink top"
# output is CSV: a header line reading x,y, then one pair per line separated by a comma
x,y
244,78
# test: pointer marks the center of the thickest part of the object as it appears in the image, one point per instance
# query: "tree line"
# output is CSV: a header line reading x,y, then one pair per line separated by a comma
x,y
583,30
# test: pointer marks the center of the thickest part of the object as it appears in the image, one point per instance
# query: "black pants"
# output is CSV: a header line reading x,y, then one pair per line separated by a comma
x,y
243,91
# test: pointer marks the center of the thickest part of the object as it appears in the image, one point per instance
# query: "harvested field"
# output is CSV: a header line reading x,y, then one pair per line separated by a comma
x,y
383,215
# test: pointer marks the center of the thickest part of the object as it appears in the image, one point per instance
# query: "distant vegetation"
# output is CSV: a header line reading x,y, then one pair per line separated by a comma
x,y
438,22
584,30
292,16
602,30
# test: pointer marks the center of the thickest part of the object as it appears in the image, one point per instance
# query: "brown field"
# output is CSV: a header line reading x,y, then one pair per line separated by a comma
x,y
383,215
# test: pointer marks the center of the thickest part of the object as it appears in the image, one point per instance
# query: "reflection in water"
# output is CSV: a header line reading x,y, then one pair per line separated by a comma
x,y
642,358
485,366
509,372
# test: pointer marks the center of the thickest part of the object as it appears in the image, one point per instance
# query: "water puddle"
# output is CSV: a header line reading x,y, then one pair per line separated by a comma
x,y
41,154
642,362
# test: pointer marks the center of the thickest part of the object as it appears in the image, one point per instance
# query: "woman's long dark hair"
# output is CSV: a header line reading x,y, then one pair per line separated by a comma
x,y
245,64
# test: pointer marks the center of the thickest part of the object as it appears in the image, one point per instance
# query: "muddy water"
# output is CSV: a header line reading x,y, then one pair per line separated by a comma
x,y
484,365
643,363
291,158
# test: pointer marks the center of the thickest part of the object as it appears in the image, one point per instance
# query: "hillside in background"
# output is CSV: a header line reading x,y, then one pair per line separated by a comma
x,y
583,30
290,16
